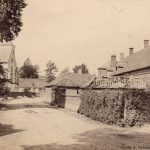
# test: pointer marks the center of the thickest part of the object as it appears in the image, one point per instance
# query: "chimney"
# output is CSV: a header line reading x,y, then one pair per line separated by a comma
x,y
130,51
146,43
113,60
102,72
121,56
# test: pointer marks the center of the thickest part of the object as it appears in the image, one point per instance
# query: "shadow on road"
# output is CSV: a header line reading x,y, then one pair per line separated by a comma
x,y
22,106
7,129
101,139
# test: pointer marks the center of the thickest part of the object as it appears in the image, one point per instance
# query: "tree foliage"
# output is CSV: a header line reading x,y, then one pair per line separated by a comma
x,y
3,80
83,68
29,71
10,18
50,70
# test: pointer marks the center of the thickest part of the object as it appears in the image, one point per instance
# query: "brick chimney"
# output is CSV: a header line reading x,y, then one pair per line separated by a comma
x,y
102,72
113,60
121,56
131,51
146,43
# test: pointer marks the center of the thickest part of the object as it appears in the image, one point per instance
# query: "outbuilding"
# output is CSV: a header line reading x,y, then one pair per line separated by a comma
x,y
66,89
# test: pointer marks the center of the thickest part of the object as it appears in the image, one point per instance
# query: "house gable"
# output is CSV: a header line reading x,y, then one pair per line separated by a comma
x,y
5,52
12,66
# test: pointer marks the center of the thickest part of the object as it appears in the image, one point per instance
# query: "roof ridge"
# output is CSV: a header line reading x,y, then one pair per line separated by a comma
x,y
140,51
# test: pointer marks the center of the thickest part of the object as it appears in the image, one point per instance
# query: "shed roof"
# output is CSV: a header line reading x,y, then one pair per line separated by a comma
x,y
72,80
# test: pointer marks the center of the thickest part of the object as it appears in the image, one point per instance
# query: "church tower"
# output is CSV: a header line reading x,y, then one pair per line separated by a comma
x,y
27,62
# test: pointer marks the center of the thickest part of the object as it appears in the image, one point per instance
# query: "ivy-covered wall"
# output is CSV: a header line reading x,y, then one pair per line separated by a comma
x,y
119,107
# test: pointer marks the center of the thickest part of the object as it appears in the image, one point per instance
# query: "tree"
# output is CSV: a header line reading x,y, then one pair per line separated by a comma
x,y
10,26
28,71
10,18
50,70
83,68
3,81
65,70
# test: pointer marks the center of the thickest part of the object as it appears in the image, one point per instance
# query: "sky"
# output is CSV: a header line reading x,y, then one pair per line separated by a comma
x,y
71,32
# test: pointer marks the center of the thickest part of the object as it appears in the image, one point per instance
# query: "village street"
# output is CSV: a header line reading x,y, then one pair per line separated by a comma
x,y
30,124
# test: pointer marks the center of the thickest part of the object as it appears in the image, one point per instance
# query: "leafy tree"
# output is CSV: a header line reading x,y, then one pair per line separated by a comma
x,y
10,26
65,70
50,70
83,68
3,81
10,18
29,71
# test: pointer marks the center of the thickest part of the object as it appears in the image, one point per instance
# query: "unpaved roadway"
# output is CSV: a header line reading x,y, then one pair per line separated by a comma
x,y
30,124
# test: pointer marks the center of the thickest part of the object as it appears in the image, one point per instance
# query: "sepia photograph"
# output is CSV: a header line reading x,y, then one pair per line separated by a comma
x,y
74,75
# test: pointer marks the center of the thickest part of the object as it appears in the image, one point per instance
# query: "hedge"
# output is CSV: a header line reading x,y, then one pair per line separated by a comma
x,y
119,107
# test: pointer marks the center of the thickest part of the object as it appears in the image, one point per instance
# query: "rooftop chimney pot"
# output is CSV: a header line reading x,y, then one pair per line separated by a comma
x,y
130,50
121,56
113,60
146,43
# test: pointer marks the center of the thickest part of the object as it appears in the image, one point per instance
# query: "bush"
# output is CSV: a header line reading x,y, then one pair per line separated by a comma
x,y
120,107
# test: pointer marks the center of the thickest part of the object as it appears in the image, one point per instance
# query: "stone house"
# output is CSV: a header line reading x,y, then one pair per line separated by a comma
x,y
136,64
8,60
66,89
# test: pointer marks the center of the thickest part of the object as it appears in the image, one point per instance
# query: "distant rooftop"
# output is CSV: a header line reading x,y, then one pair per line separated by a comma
x,y
31,82
136,61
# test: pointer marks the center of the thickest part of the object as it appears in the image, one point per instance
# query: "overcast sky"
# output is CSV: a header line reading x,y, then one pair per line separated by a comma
x,y
71,32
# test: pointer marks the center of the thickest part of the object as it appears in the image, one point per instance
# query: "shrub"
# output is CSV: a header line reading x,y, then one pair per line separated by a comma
x,y
120,107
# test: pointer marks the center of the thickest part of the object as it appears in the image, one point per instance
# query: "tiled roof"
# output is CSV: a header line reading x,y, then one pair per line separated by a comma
x,y
71,80
117,82
29,83
136,61
5,51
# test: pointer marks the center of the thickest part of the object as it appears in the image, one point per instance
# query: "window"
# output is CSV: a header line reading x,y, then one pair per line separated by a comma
x,y
11,72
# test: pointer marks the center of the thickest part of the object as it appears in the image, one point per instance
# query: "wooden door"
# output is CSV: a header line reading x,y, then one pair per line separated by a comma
x,y
61,97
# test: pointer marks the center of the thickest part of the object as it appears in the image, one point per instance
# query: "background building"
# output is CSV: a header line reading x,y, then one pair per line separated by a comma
x,y
34,85
8,60
136,64
66,89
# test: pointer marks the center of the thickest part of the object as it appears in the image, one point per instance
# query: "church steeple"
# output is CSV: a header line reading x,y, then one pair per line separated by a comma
x,y
27,62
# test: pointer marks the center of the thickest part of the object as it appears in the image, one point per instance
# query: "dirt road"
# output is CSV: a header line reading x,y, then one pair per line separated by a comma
x,y
29,124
